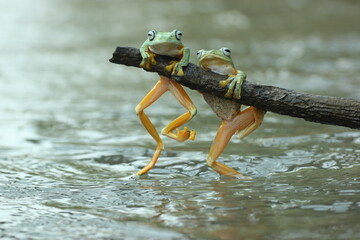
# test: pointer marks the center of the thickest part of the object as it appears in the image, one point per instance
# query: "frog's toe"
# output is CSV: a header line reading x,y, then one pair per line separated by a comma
x,y
234,85
237,93
185,134
180,72
192,135
131,177
177,69
171,66
148,60
224,83
229,93
145,63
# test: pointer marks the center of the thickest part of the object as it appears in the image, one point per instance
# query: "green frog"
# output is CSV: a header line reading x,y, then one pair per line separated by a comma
x,y
166,44
233,119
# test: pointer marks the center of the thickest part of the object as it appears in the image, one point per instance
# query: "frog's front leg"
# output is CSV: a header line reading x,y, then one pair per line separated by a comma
x,y
234,83
180,94
148,57
176,67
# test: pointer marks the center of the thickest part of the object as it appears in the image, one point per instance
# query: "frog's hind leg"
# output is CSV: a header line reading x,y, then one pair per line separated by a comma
x,y
227,129
258,116
159,89
163,85
184,99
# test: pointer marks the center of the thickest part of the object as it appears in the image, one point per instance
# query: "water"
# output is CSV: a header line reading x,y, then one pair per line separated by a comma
x,y
69,132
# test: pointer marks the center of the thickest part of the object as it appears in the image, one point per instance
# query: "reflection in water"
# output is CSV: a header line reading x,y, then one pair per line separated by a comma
x,y
69,132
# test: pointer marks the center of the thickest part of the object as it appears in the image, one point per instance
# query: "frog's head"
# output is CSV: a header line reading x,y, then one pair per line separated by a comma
x,y
217,60
165,43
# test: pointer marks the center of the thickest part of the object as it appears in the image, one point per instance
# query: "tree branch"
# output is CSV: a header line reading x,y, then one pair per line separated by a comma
x,y
315,108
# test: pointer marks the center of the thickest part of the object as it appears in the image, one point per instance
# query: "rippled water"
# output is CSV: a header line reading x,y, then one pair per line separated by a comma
x,y
69,132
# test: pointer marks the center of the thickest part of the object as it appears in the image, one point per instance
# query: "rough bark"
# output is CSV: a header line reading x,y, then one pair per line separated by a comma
x,y
322,109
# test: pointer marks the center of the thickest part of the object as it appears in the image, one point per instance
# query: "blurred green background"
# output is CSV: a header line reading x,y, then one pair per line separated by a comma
x,y
69,133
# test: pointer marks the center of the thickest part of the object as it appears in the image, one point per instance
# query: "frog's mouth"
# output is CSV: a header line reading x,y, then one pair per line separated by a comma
x,y
216,64
166,49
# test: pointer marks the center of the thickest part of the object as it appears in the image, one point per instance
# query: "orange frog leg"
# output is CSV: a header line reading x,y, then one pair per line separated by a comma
x,y
163,85
258,119
180,94
243,122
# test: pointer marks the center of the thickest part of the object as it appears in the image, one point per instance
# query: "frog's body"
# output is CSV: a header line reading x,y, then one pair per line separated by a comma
x,y
224,109
233,119
167,44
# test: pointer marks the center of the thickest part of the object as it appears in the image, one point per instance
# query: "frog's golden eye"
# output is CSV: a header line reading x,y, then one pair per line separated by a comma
x,y
226,51
198,54
151,35
178,34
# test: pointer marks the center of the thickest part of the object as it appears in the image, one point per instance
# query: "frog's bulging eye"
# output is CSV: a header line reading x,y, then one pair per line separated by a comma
x,y
226,51
178,34
198,54
151,35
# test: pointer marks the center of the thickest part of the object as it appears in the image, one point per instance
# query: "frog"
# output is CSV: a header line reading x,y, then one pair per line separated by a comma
x,y
234,120
165,44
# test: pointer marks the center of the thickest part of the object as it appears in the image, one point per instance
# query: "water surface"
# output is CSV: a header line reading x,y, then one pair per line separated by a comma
x,y
69,132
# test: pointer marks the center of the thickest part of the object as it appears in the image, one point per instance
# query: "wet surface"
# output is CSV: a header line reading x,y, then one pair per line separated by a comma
x,y
69,132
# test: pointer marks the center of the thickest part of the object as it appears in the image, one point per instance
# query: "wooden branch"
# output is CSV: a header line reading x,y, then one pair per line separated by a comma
x,y
321,109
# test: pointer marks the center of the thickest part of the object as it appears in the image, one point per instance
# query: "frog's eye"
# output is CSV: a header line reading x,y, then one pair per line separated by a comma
x,y
151,35
178,34
226,51
198,54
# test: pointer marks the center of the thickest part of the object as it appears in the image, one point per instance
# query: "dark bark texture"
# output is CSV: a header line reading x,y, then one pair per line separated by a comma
x,y
322,109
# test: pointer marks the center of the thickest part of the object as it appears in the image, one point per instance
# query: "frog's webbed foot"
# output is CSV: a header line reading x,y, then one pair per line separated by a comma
x,y
181,135
185,134
171,130
234,83
148,60
224,170
222,138
175,67
131,177
171,67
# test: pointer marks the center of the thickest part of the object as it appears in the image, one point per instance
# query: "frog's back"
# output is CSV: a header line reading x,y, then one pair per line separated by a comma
x,y
225,109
